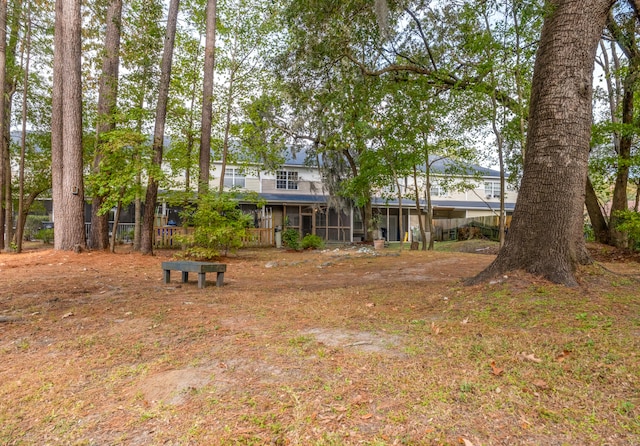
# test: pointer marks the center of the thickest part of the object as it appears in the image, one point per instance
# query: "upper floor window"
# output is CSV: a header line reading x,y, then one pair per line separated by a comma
x,y
286,179
492,189
437,190
233,177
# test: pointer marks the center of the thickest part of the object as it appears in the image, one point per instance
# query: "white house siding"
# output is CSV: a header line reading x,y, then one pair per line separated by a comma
x,y
269,187
252,184
481,213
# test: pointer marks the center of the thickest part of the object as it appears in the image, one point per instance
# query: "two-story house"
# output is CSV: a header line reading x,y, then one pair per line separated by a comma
x,y
296,197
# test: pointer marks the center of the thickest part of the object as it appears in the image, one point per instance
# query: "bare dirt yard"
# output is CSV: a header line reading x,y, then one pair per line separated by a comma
x,y
339,347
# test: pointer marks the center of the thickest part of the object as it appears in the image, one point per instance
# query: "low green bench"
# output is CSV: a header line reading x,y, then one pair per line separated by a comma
x,y
202,268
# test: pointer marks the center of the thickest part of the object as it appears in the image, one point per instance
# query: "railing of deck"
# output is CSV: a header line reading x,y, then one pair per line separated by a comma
x,y
166,236
124,231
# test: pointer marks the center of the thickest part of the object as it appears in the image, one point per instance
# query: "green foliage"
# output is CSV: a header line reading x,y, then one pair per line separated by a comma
x,y
46,235
219,226
291,238
629,222
122,159
32,226
589,234
312,241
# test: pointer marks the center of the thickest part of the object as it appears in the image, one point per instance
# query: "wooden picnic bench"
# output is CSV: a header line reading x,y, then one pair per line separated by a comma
x,y
202,268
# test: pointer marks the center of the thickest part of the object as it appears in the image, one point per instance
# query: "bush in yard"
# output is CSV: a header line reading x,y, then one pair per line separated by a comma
x,y
291,238
46,235
219,226
33,225
629,222
311,241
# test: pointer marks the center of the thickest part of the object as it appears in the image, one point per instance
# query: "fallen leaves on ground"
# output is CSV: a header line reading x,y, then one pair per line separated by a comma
x,y
497,371
540,384
528,357
564,355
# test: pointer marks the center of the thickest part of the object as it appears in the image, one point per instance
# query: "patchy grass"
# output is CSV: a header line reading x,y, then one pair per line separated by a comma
x,y
326,348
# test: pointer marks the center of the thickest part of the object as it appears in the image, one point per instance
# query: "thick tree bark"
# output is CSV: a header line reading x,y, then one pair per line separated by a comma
x,y
158,134
207,97
107,96
546,234
56,119
71,235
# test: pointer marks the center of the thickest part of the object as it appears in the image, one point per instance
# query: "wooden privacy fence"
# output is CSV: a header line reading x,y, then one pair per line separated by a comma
x,y
258,238
448,229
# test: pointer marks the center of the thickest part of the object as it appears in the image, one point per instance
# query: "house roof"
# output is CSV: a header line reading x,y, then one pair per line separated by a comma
x,y
440,166
294,198
300,156
445,204
286,198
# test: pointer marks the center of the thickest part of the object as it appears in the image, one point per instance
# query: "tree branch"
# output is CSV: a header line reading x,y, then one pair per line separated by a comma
x,y
446,81
424,38
635,4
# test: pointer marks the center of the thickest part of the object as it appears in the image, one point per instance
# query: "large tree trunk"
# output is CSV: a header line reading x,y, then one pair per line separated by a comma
x,y
67,170
72,234
158,134
107,96
546,234
56,119
207,97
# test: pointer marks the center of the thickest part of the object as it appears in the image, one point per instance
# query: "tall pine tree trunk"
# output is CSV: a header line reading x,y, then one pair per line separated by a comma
x,y
546,234
22,208
227,128
4,160
107,96
11,31
56,119
66,129
207,97
70,235
148,235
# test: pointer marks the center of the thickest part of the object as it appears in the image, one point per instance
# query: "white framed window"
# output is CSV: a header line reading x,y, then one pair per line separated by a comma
x,y
234,177
492,189
437,190
286,179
